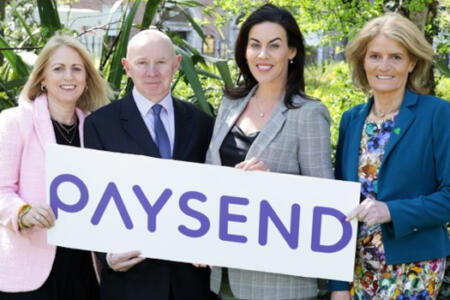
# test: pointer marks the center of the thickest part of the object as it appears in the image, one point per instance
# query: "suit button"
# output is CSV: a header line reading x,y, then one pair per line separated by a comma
x,y
415,229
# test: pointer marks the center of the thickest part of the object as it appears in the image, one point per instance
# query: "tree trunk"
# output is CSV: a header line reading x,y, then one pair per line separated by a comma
x,y
419,18
424,19
2,18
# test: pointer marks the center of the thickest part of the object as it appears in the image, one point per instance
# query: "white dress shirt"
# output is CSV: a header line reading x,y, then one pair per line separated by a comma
x,y
167,115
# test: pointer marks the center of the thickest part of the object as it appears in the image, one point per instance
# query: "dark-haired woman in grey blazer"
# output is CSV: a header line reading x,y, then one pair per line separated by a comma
x,y
270,124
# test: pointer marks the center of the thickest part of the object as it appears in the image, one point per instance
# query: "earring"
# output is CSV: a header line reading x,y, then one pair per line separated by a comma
x,y
43,88
291,61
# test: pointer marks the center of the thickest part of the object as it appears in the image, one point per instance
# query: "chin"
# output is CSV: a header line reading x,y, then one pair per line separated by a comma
x,y
264,79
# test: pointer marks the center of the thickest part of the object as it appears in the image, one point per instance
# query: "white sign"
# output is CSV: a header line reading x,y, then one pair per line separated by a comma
x,y
221,216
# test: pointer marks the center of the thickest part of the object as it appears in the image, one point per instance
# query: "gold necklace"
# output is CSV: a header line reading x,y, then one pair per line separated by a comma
x,y
382,114
68,134
262,114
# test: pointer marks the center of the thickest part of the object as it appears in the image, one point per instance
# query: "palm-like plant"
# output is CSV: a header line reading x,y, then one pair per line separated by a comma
x,y
13,74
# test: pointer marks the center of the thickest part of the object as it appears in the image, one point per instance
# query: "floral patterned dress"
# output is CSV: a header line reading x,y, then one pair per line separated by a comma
x,y
373,278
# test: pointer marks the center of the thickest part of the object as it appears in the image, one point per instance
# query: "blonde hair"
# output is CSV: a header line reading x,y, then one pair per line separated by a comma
x,y
98,91
397,28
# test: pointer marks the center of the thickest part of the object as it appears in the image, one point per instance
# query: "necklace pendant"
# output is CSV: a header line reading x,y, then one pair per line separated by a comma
x,y
261,115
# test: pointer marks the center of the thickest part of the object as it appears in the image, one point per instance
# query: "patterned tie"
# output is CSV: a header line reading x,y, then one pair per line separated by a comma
x,y
162,139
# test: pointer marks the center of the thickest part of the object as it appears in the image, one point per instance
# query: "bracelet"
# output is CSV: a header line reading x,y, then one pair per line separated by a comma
x,y
22,211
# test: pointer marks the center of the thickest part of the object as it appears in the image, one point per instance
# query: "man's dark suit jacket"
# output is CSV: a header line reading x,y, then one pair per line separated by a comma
x,y
119,127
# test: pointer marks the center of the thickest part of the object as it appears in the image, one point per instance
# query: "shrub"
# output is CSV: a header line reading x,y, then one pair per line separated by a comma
x,y
331,84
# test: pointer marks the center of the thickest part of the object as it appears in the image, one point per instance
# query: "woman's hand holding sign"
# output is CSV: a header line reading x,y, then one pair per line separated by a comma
x,y
252,164
371,211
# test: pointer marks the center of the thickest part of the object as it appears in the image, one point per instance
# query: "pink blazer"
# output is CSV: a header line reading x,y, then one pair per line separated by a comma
x,y
25,257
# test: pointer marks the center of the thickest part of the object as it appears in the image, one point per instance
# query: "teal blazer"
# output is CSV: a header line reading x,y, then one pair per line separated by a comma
x,y
413,179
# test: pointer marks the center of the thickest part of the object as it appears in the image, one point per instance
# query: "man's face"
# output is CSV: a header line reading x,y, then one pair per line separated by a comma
x,y
151,64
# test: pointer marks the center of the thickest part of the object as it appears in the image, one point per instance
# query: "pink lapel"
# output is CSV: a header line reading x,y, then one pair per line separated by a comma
x,y
81,115
42,121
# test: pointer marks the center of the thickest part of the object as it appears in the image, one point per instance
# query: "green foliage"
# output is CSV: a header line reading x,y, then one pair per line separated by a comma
x,y
19,69
188,69
49,17
331,84
116,71
150,10
443,87
192,64
14,74
14,31
211,84
418,5
338,19
18,32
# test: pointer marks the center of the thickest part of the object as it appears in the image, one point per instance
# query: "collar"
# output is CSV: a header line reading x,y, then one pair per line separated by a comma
x,y
144,105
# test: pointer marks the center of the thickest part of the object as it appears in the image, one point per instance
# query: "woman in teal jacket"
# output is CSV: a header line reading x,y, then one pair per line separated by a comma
x,y
398,147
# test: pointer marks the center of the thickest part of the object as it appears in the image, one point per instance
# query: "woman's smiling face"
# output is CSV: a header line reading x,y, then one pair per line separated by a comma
x,y
387,65
65,76
268,53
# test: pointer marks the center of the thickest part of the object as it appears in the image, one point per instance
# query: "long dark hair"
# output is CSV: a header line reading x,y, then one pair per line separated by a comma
x,y
295,82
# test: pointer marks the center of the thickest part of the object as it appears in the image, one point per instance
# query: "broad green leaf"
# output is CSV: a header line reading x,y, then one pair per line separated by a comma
x,y
193,53
116,70
183,44
16,83
6,103
150,10
187,66
129,86
3,87
442,66
106,49
224,71
14,60
48,13
207,74
175,82
26,27
105,52
194,24
9,102
188,3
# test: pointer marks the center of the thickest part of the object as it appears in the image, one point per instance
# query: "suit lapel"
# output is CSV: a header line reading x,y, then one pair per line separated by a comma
x,y
402,123
269,131
235,110
231,113
182,129
355,128
133,124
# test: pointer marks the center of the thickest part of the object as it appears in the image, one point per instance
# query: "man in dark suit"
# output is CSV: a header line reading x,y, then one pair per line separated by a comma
x,y
149,121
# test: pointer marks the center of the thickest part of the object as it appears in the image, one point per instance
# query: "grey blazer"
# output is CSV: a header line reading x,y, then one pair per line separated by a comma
x,y
293,141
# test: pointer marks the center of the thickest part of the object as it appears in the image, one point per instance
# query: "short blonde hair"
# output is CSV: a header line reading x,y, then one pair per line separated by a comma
x,y
397,28
98,90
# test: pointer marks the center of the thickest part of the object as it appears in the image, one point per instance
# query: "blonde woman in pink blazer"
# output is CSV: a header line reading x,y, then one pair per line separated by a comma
x,y
62,87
